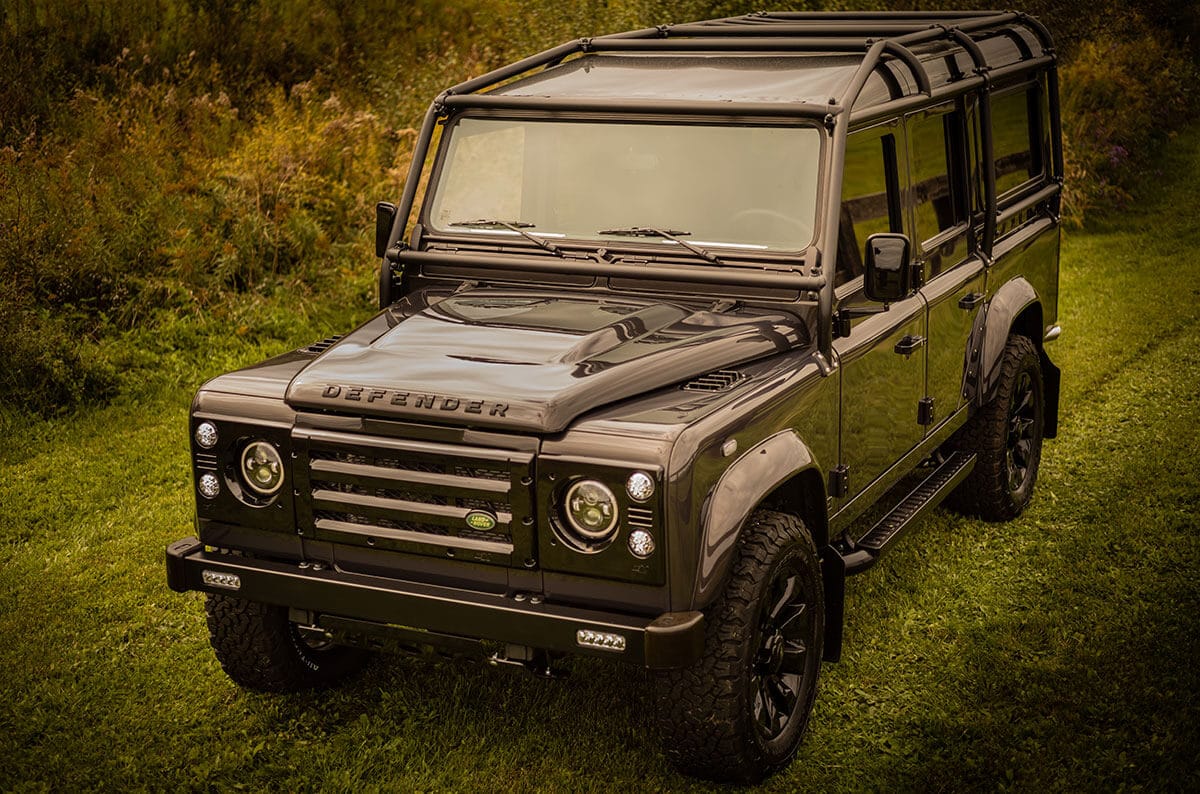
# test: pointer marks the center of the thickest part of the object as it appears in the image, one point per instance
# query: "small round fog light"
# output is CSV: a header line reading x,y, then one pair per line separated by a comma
x,y
640,486
262,468
206,435
209,485
641,544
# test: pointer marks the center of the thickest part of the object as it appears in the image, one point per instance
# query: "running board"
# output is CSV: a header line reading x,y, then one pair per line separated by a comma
x,y
929,494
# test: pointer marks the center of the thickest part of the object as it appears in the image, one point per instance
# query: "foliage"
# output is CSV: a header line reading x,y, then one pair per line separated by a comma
x,y
1122,94
168,158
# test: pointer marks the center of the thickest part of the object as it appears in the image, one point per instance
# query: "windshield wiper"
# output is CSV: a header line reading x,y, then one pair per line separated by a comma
x,y
673,235
515,226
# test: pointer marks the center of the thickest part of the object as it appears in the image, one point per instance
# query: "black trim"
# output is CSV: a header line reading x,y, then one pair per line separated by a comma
x,y
673,639
891,175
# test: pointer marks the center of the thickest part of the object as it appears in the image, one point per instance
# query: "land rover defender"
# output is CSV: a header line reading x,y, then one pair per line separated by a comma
x,y
690,324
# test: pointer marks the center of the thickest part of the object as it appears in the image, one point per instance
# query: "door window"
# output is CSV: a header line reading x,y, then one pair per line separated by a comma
x,y
938,185
870,197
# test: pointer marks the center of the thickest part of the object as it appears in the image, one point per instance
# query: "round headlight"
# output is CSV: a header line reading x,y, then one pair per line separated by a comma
x,y
592,510
262,468
206,435
640,486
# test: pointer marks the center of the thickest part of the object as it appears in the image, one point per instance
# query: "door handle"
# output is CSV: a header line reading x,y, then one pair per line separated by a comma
x,y
909,344
970,300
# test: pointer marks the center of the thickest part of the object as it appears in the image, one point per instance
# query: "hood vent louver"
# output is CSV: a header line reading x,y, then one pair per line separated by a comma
x,y
316,348
721,380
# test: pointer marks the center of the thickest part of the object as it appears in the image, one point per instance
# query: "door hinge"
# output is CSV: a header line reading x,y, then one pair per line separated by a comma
x,y
909,344
925,411
971,300
839,481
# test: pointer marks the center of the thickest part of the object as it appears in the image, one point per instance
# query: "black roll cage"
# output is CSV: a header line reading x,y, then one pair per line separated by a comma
x,y
877,35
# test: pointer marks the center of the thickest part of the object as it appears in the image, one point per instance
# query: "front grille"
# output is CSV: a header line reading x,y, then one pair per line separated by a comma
x,y
416,496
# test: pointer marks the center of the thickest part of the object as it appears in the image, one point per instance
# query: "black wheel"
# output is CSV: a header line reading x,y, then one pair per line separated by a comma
x,y
259,648
738,714
1006,437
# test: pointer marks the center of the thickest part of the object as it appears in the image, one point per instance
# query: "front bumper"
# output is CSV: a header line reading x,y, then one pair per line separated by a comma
x,y
673,639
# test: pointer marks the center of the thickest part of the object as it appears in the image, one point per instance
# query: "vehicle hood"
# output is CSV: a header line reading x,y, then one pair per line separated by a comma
x,y
529,360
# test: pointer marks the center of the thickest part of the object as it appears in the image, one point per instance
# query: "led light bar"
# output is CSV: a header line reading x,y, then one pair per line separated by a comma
x,y
229,581
600,639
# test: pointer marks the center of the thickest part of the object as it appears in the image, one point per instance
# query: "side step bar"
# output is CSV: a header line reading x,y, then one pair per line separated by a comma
x,y
931,491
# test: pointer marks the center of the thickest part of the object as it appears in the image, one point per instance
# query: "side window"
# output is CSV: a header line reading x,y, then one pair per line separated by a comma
x,y
1015,131
938,183
870,197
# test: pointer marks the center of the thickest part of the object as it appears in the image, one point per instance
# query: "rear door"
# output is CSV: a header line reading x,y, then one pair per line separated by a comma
x,y
953,274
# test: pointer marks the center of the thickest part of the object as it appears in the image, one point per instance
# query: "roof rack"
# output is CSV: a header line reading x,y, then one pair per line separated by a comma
x,y
881,37
875,35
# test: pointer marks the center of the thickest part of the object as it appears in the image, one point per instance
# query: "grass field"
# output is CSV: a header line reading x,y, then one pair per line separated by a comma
x,y
1056,652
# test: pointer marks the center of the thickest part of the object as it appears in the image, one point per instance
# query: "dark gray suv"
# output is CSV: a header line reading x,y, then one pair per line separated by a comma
x,y
690,324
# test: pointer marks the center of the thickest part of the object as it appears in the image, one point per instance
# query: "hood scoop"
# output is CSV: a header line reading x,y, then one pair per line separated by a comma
x,y
721,380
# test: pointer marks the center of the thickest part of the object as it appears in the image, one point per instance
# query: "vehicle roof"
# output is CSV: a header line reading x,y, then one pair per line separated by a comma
x,y
783,61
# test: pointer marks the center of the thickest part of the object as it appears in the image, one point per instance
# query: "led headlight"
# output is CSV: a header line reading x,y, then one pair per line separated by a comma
x,y
209,485
639,486
262,468
641,544
206,435
591,509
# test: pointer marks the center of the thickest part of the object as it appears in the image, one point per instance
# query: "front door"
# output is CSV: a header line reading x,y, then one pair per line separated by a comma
x,y
883,380
882,359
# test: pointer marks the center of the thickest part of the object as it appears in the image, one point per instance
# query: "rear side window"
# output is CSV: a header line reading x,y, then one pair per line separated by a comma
x,y
937,162
937,184
870,197
1015,133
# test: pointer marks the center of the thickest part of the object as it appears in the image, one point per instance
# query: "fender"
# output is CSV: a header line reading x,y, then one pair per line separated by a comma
x,y
742,488
1006,305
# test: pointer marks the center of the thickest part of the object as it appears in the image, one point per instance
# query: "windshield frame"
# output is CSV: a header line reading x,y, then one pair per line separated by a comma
x,y
732,253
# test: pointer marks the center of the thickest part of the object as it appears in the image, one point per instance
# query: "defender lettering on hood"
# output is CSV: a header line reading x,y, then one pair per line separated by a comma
x,y
430,402
536,360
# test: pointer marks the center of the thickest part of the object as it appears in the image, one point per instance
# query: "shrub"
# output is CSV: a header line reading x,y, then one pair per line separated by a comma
x,y
176,164
1121,96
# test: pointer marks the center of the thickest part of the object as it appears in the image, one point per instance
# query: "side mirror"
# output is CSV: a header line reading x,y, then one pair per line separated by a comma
x,y
888,268
385,216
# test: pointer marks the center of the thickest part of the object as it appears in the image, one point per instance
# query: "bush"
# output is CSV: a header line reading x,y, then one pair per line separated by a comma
x,y
167,165
1121,96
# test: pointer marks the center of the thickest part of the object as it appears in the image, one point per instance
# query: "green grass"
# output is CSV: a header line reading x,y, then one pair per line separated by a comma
x,y
1054,652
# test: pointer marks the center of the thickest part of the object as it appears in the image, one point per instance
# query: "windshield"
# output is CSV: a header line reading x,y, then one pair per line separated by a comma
x,y
713,185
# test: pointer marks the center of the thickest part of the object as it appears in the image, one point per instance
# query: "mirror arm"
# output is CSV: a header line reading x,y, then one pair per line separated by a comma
x,y
843,316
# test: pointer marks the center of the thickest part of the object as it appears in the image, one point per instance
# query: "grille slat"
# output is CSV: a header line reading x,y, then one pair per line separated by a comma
x,y
434,482
641,518
206,461
384,507
471,543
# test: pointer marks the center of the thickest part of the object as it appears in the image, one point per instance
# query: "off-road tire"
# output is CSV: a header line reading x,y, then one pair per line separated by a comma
x,y
259,648
707,712
988,491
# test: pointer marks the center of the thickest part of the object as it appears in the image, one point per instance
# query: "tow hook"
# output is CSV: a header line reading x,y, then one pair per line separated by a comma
x,y
535,661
